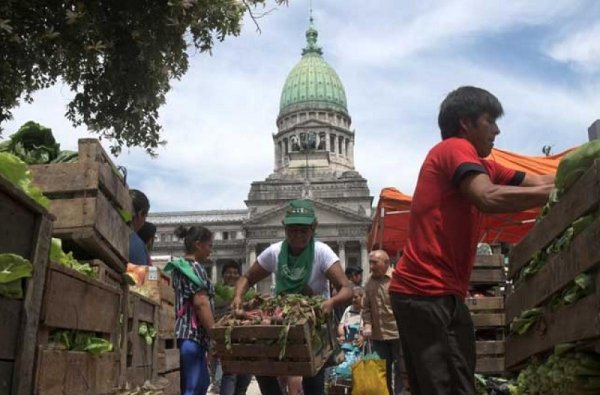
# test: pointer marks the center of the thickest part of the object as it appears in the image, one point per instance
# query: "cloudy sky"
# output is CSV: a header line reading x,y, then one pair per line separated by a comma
x,y
397,61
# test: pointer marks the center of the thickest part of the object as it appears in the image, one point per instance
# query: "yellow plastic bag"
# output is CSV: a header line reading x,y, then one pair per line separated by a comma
x,y
368,377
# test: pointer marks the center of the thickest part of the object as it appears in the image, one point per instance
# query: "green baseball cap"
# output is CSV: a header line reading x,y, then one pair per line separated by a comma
x,y
300,212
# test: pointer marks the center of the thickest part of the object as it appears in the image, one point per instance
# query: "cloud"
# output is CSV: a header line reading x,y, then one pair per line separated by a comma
x,y
580,48
397,62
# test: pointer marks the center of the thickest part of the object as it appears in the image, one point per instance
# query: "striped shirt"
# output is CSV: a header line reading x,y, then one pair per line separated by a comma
x,y
185,290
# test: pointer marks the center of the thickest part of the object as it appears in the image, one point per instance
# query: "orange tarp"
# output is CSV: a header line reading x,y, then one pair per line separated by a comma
x,y
390,222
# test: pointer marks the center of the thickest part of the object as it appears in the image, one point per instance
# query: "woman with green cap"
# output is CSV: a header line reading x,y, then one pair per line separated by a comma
x,y
301,265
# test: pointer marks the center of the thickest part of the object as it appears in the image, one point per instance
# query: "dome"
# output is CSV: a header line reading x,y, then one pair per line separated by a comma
x,y
312,83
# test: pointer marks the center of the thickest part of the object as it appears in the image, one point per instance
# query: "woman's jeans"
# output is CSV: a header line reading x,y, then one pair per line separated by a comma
x,y
194,376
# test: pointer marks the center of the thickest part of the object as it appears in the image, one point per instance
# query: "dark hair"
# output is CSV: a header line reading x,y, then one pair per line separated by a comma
x,y
351,270
141,205
230,263
193,234
147,231
466,102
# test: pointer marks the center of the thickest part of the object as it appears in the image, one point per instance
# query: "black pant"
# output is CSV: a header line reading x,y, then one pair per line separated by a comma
x,y
438,343
390,351
310,385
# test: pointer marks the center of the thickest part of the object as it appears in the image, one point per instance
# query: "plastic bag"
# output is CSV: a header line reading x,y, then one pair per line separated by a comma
x,y
368,376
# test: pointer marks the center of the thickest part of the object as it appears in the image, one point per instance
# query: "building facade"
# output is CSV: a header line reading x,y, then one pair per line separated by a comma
x,y
313,159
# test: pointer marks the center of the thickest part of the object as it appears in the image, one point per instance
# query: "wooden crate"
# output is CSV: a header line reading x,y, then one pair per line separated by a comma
x,y
77,302
142,361
157,286
574,323
172,386
487,312
25,230
166,320
168,354
106,275
86,199
488,317
490,356
255,351
488,270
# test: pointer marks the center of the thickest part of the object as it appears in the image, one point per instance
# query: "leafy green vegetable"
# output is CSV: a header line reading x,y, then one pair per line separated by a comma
x,y
34,144
147,331
17,172
575,164
12,269
521,324
81,341
57,255
126,215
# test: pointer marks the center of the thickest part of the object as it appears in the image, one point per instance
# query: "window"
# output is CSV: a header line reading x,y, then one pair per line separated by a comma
x,y
225,235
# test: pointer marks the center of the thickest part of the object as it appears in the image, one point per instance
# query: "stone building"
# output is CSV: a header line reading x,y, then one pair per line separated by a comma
x,y
313,159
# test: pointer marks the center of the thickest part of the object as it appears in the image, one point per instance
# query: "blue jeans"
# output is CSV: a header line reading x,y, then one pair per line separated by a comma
x,y
194,376
234,384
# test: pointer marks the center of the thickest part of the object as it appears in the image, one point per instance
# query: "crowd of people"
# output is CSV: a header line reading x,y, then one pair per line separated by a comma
x,y
413,315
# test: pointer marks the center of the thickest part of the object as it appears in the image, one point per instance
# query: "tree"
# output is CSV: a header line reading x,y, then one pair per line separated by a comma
x,y
118,56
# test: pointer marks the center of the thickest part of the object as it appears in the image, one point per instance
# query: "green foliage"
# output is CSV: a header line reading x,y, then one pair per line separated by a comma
x,y
118,57
57,255
147,331
575,164
12,269
81,341
34,144
17,172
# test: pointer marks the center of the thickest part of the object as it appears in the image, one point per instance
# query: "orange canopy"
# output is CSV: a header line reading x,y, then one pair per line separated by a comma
x,y
389,229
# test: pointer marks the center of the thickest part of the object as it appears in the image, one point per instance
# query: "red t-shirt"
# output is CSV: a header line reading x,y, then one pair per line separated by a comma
x,y
445,226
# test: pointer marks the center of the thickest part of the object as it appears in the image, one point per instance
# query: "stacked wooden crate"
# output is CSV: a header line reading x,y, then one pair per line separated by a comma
x,y
25,230
89,199
76,302
577,322
91,203
142,357
254,349
488,280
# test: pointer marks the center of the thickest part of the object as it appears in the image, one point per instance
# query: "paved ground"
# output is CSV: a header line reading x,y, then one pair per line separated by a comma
x,y
252,389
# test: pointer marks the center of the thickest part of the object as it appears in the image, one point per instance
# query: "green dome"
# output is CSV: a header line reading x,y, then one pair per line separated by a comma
x,y
312,83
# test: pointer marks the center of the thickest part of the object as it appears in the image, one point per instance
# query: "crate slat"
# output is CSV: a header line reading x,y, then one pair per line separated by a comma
x,y
485,303
577,322
488,320
581,198
168,360
494,261
25,230
559,270
75,301
490,365
489,347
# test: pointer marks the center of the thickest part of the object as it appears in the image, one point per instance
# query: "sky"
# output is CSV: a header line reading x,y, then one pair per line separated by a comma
x,y
397,61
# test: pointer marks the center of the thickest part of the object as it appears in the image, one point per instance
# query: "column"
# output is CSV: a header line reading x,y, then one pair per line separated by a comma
x,y
364,259
213,272
342,254
327,142
250,256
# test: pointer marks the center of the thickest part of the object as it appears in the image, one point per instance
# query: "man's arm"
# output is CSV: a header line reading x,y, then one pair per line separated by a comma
x,y
492,198
251,277
532,180
336,276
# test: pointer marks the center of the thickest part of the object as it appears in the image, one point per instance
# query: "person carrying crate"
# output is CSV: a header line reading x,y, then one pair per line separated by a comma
x,y
302,265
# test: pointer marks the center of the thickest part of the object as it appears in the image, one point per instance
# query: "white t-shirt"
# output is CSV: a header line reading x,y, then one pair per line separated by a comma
x,y
324,259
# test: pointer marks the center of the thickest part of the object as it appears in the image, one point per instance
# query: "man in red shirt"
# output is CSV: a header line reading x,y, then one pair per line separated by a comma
x,y
456,186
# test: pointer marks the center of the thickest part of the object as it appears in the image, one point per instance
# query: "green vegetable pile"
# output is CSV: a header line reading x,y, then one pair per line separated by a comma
x,y
34,144
57,255
147,331
80,341
17,172
565,372
283,310
525,321
13,268
224,295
